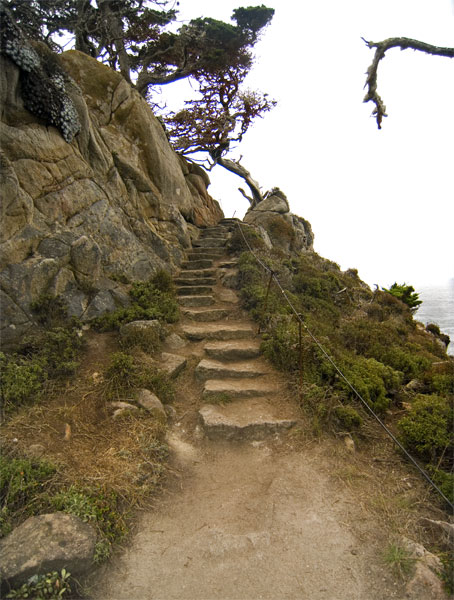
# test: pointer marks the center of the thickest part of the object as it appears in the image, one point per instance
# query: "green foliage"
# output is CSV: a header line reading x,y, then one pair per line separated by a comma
x,y
21,381
427,429
243,239
372,379
49,310
399,559
406,293
444,480
22,483
154,299
347,417
97,508
51,586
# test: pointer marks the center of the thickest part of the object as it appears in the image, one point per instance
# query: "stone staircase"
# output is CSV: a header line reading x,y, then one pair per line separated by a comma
x,y
242,393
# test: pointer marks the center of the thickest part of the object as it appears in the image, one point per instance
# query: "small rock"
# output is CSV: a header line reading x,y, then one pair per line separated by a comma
x,y
152,404
173,364
47,543
123,405
174,342
36,451
414,385
425,582
170,412
349,443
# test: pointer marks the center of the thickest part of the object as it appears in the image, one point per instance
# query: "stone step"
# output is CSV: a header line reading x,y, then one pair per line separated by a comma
x,y
206,314
249,420
233,350
190,281
214,231
216,331
195,300
238,388
194,290
191,265
205,256
209,243
212,251
198,273
209,368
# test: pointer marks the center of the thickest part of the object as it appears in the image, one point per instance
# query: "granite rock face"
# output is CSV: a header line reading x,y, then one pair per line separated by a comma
x,y
116,204
279,227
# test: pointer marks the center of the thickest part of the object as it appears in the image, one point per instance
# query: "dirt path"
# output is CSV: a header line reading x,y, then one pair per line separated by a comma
x,y
253,510
249,521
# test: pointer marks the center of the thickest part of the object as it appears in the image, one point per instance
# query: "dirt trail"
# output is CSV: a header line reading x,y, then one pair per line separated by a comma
x,y
250,519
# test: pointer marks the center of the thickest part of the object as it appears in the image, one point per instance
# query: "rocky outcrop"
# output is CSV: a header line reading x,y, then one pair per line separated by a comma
x,y
79,219
278,226
44,544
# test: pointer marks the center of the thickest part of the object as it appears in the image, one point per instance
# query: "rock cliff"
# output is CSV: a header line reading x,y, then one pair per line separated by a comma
x,y
80,219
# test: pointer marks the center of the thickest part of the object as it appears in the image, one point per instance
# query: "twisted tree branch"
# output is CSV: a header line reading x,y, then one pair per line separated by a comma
x,y
380,49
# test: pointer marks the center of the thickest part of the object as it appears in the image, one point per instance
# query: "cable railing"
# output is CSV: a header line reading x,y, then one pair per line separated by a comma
x,y
302,324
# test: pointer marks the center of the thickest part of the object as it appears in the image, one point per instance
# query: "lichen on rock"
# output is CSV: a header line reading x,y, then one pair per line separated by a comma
x,y
42,79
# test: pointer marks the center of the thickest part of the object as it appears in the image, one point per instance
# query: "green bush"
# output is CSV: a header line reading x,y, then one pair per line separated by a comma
x,y
405,293
154,299
237,242
372,379
22,483
427,429
347,417
21,381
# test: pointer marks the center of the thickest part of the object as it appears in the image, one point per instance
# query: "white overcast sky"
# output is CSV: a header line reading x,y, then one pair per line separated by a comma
x,y
378,201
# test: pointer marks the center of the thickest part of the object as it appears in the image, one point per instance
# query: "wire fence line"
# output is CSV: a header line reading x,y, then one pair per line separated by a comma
x,y
297,315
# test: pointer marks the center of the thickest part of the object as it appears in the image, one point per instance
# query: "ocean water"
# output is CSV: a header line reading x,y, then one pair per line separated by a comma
x,y
438,307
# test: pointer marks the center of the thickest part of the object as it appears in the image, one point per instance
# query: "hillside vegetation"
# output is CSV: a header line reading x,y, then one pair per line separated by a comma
x,y
398,367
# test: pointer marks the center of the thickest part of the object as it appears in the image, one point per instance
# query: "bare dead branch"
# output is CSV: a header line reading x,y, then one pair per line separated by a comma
x,y
403,43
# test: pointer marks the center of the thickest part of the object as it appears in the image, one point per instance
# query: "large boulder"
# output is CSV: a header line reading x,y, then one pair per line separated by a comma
x,y
115,204
278,226
47,543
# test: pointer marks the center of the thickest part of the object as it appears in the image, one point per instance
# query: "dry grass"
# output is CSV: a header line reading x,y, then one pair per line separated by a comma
x,y
91,449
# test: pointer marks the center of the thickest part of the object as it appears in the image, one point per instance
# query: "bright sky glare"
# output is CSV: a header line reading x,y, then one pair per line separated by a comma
x,y
379,201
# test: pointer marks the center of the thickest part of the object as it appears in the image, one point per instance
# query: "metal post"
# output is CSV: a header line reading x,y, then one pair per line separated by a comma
x,y
266,298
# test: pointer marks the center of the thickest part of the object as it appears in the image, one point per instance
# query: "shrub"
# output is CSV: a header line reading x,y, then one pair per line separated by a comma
x,y
237,242
405,293
21,381
154,299
121,375
347,417
427,429
22,481
372,380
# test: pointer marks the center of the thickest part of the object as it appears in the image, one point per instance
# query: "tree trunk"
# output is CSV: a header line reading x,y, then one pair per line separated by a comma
x,y
116,32
235,167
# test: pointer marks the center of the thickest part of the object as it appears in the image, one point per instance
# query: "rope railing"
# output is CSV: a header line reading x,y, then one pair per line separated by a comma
x,y
302,324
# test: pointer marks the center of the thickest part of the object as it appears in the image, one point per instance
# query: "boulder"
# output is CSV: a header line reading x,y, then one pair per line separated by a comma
x,y
283,229
152,404
47,543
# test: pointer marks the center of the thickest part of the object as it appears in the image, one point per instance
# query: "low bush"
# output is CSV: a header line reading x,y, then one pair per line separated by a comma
x,y
23,483
347,417
427,429
154,299
372,379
